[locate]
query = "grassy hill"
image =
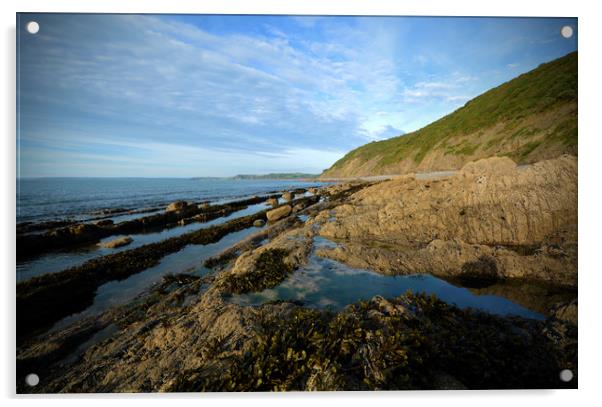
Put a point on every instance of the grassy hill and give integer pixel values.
(529, 118)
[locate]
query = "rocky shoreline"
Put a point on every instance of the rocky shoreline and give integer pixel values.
(489, 228)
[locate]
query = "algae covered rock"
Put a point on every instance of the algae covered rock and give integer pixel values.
(119, 242)
(279, 213)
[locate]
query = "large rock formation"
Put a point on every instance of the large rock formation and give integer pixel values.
(520, 221)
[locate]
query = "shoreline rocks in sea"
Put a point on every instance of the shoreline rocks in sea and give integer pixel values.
(188, 336)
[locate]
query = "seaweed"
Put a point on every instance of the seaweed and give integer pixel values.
(406, 343)
(270, 269)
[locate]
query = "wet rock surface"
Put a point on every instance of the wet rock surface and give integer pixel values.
(119, 242)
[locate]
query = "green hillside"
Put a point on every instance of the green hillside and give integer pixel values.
(529, 118)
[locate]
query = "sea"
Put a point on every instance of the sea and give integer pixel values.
(42, 199)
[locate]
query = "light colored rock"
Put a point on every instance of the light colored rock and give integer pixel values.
(272, 202)
(287, 196)
(259, 223)
(496, 166)
(121, 241)
(279, 213)
(176, 206)
(447, 225)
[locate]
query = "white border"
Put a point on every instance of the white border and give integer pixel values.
(590, 147)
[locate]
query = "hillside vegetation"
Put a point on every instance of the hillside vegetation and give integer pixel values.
(529, 118)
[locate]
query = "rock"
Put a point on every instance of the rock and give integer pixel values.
(314, 191)
(203, 205)
(176, 206)
(446, 226)
(186, 221)
(259, 223)
(495, 166)
(279, 213)
(273, 201)
(103, 222)
(121, 241)
(287, 196)
(298, 207)
(566, 312)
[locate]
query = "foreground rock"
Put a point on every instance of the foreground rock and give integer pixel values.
(409, 342)
(279, 213)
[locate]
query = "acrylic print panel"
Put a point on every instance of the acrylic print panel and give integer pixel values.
(213, 203)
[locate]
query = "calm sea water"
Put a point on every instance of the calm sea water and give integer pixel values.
(56, 198)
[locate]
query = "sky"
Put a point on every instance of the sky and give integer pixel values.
(209, 95)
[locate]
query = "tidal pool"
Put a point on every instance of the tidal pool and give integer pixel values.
(188, 260)
(325, 283)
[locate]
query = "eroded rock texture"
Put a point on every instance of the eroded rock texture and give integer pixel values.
(490, 219)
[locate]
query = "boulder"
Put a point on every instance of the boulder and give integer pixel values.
(259, 223)
(273, 201)
(279, 213)
(203, 205)
(176, 206)
(120, 241)
(298, 208)
(288, 196)
(496, 166)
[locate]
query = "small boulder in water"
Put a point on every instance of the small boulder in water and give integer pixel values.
(259, 223)
(288, 196)
(121, 241)
(273, 201)
(176, 206)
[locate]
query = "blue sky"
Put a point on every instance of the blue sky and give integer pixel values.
(185, 95)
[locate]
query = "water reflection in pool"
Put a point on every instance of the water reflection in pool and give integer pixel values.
(328, 283)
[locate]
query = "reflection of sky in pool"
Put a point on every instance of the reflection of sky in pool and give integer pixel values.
(327, 283)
